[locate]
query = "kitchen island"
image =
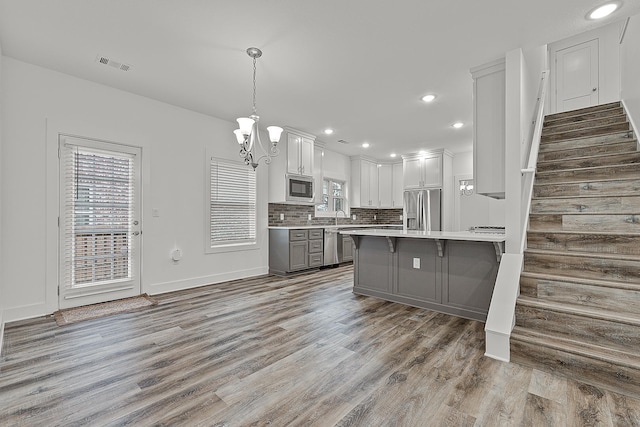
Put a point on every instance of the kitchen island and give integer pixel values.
(448, 272)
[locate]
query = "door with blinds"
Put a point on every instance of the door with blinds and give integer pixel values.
(100, 228)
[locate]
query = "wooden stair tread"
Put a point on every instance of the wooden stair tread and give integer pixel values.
(591, 131)
(551, 172)
(578, 310)
(587, 232)
(573, 113)
(597, 156)
(605, 354)
(582, 281)
(585, 196)
(620, 257)
(586, 181)
(586, 124)
(619, 133)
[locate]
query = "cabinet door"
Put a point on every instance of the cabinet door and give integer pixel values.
(397, 185)
(365, 183)
(385, 186)
(432, 171)
(373, 184)
(298, 255)
(347, 248)
(413, 173)
(306, 156)
(293, 154)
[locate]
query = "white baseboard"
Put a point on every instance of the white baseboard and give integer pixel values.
(634, 128)
(179, 285)
(1, 329)
(26, 312)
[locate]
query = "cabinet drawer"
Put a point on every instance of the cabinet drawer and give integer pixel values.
(315, 246)
(315, 260)
(316, 233)
(296, 235)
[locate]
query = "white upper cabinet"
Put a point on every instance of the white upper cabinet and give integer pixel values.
(385, 185)
(422, 171)
(299, 153)
(489, 100)
(398, 186)
(373, 184)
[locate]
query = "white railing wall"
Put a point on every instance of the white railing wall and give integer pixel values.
(501, 316)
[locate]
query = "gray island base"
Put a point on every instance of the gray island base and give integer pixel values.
(448, 272)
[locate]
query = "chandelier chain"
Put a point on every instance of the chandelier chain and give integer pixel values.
(254, 87)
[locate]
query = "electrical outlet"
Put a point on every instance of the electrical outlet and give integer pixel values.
(375, 217)
(353, 217)
(401, 218)
(309, 217)
(281, 217)
(155, 212)
(416, 263)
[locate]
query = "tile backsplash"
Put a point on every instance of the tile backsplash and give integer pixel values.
(299, 215)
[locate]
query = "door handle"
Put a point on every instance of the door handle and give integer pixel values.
(594, 89)
(136, 233)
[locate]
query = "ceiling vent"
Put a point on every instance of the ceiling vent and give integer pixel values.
(342, 141)
(110, 62)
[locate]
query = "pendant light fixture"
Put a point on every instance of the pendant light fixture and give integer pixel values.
(248, 135)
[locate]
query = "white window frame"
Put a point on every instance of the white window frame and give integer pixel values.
(244, 245)
(331, 213)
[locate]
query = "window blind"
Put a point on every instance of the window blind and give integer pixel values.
(232, 205)
(98, 205)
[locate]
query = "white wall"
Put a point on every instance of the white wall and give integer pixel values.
(40, 104)
(2, 301)
(630, 70)
(608, 59)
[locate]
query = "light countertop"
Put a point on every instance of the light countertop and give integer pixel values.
(308, 227)
(434, 235)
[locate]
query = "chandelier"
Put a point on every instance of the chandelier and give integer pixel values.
(248, 135)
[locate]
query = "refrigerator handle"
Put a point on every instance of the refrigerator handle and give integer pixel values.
(428, 216)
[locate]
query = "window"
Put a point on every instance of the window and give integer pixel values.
(333, 196)
(232, 204)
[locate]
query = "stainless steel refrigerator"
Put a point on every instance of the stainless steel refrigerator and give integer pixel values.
(422, 210)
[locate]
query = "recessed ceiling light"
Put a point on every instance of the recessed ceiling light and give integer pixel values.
(422, 152)
(328, 131)
(603, 11)
(365, 145)
(457, 125)
(392, 155)
(428, 98)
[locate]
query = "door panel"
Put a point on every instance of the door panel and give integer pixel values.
(577, 76)
(99, 221)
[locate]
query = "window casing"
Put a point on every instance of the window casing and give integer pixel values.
(333, 197)
(232, 207)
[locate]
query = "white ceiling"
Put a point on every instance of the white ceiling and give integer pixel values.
(358, 66)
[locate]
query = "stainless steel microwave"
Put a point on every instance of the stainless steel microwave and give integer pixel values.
(299, 188)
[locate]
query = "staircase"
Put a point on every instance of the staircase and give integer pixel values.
(578, 313)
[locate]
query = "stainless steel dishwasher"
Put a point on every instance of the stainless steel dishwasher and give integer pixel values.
(330, 246)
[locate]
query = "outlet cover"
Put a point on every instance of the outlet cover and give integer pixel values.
(416, 263)
(281, 217)
(353, 217)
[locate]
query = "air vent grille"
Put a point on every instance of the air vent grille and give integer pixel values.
(114, 64)
(342, 141)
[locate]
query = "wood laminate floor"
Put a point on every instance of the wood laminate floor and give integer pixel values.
(282, 351)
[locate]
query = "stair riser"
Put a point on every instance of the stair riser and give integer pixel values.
(588, 141)
(584, 124)
(609, 160)
(627, 187)
(587, 110)
(589, 330)
(595, 372)
(596, 244)
(580, 133)
(584, 117)
(614, 205)
(589, 174)
(599, 297)
(620, 270)
(614, 223)
(593, 150)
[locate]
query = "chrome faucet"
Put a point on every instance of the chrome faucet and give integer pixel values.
(343, 213)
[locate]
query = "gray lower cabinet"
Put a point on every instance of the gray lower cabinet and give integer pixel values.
(449, 276)
(293, 250)
(347, 248)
